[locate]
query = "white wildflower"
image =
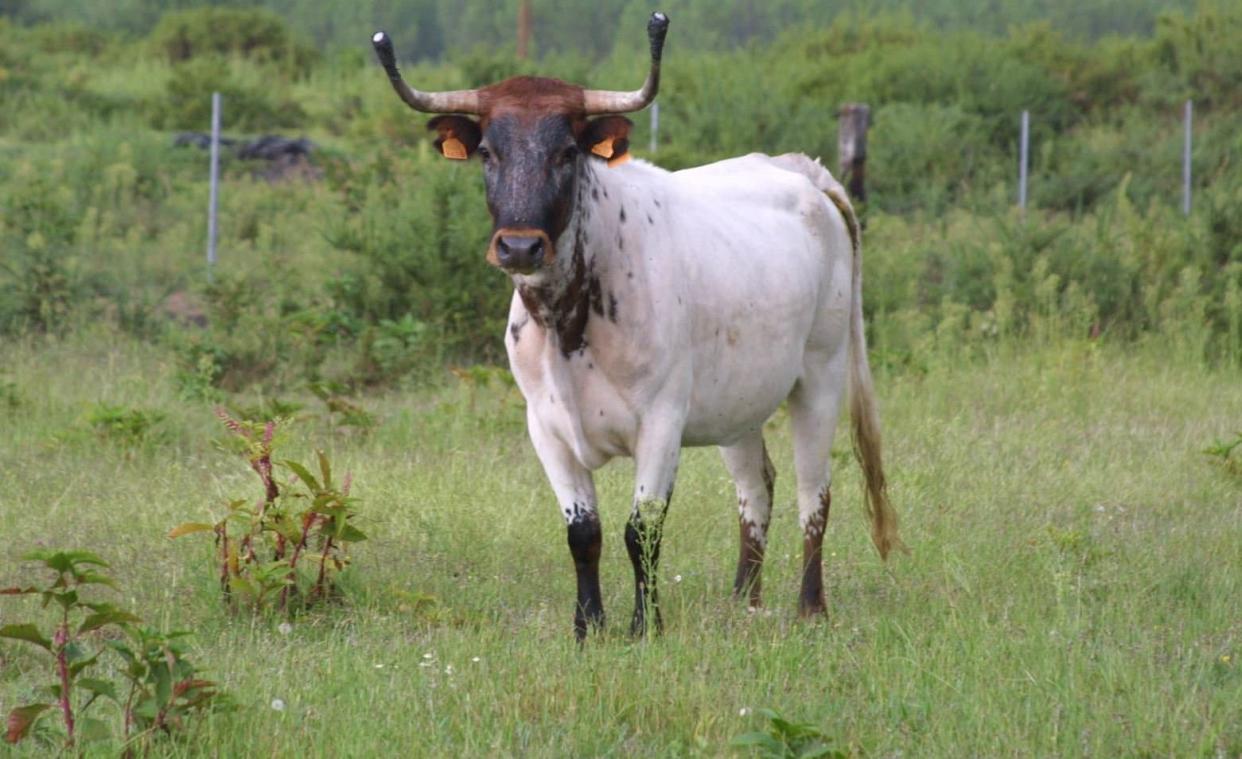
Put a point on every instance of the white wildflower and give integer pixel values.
(284, 628)
(278, 704)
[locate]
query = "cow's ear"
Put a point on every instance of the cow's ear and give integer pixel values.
(458, 136)
(609, 138)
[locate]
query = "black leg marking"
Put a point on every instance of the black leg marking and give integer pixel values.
(642, 541)
(585, 543)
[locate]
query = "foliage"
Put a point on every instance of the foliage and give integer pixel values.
(11, 397)
(373, 276)
(248, 99)
(124, 426)
(434, 28)
(1223, 452)
(165, 688)
(286, 550)
(786, 740)
(340, 411)
(254, 33)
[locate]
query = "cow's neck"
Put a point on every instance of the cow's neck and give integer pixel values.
(594, 244)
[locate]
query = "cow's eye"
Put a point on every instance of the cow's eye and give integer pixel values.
(568, 155)
(484, 154)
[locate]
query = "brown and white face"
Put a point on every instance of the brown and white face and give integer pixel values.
(532, 136)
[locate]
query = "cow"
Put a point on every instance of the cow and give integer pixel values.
(655, 310)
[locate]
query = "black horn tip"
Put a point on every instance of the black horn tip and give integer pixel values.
(383, 48)
(657, 27)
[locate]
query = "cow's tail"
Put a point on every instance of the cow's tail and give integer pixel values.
(864, 418)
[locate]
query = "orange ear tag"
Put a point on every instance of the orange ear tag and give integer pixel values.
(615, 162)
(603, 148)
(453, 148)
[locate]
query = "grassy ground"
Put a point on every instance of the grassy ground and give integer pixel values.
(1073, 587)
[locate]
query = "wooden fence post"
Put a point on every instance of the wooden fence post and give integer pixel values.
(852, 148)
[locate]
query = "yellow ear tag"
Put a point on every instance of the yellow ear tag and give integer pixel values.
(615, 162)
(603, 148)
(453, 148)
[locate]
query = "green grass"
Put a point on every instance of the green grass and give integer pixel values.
(1073, 587)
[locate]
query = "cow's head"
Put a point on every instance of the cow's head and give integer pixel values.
(533, 135)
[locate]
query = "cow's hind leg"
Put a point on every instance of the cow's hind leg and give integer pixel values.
(755, 478)
(575, 495)
(813, 409)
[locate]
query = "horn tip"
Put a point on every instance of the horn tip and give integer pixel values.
(383, 48)
(657, 27)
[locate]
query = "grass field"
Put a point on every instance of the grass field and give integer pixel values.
(1073, 588)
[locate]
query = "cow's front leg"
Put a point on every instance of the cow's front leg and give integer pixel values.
(656, 468)
(575, 495)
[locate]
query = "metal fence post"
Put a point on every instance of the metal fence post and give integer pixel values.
(215, 184)
(655, 125)
(1188, 117)
(1024, 141)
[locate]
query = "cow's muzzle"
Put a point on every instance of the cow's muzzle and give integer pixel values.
(520, 252)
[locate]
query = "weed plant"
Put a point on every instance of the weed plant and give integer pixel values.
(163, 688)
(284, 551)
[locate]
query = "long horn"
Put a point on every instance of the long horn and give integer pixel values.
(608, 101)
(455, 101)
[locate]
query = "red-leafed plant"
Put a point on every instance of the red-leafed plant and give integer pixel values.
(285, 548)
(164, 687)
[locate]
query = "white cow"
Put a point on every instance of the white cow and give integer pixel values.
(655, 310)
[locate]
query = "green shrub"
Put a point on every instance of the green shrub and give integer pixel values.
(129, 427)
(253, 33)
(248, 104)
(412, 253)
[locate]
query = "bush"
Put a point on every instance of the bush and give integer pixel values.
(252, 33)
(249, 103)
(40, 281)
(414, 245)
